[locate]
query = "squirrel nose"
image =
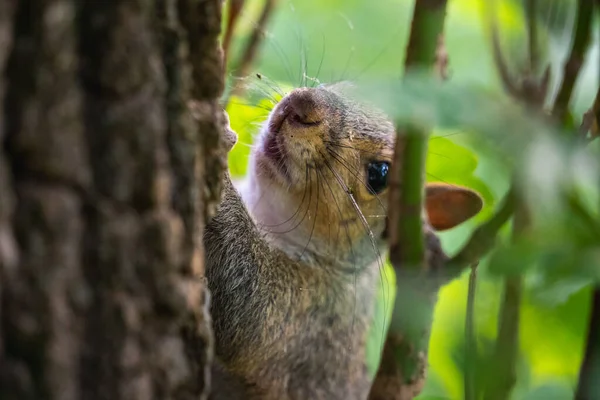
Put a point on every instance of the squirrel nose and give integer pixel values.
(302, 108)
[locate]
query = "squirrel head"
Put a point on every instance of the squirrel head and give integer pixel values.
(318, 177)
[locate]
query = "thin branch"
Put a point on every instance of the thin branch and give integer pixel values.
(406, 188)
(234, 11)
(527, 89)
(507, 344)
(532, 36)
(589, 385)
(580, 211)
(426, 28)
(483, 239)
(470, 339)
(508, 82)
(442, 59)
(591, 119)
(249, 54)
(581, 40)
(407, 249)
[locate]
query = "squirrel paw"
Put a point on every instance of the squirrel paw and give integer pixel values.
(203, 111)
(230, 137)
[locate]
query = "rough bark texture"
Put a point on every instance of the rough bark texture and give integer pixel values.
(103, 196)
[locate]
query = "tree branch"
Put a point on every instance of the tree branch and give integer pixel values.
(407, 249)
(591, 119)
(532, 36)
(589, 386)
(470, 339)
(402, 373)
(442, 59)
(233, 13)
(483, 239)
(528, 89)
(507, 344)
(427, 26)
(510, 86)
(249, 54)
(581, 40)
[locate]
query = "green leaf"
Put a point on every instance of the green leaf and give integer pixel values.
(455, 164)
(549, 391)
(513, 259)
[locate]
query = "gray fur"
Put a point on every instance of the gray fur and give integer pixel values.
(296, 328)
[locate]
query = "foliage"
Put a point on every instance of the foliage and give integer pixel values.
(481, 139)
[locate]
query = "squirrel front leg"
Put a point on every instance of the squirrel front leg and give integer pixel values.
(235, 256)
(233, 246)
(224, 385)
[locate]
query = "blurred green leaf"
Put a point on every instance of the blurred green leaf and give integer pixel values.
(451, 163)
(549, 391)
(513, 259)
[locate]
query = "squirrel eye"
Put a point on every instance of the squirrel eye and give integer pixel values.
(377, 174)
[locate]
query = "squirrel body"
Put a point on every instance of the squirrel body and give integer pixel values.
(294, 254)
(291, 329)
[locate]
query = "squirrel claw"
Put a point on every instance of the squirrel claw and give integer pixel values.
(229, 136)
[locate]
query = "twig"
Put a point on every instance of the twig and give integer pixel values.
(591, 119)
(532, 36)
(589, 384)
(505, 77)
(235, 8)
(470, 338)
(483, 239)
(249, 54)
(441, 58)
(580, 211)
(424, 33)
(507, 344)
(528, 90)
(581, 40)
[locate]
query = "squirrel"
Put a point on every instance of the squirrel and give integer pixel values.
(294, 253)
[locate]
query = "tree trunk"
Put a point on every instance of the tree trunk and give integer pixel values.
(106, 180)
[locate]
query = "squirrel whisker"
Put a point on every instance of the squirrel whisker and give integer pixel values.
(297, 209)
(299, 206)
(369, 231)
(314, 218)
(352, 255)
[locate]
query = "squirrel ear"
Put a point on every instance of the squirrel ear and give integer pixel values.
(450, 205)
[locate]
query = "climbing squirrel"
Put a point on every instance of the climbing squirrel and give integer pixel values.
(294, 253)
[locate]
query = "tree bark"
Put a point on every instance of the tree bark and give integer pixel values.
(106, 181)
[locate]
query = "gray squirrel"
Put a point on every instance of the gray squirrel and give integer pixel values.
(294, 253)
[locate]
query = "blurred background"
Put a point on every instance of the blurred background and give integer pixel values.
(316, 41)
